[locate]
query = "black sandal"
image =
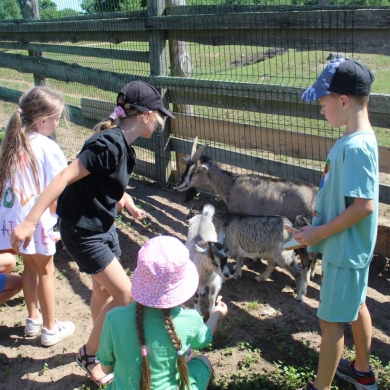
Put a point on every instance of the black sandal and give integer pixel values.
(86, 360)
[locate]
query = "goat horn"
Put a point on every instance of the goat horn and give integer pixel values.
(198, 153)
(193, 151)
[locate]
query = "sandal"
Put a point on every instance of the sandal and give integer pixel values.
(86, 360)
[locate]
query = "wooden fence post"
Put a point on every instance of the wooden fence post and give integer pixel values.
(158, 67)
(30, 10)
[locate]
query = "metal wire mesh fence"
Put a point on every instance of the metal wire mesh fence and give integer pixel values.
(232, 70)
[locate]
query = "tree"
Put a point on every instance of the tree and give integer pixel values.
(9, 9)
(47, 9)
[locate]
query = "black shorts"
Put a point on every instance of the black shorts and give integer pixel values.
(92, 251)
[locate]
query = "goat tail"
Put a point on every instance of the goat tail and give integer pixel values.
(208, 211)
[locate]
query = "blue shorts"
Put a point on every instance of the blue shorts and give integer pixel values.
(92, 251)
(342, 292)
(199, 374)
(3, 280)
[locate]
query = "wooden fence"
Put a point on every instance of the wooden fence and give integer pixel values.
(350, 29)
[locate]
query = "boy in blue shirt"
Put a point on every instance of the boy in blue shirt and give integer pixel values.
(345, 220)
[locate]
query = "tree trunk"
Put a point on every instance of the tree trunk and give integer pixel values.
(180, 61)
(30, 10)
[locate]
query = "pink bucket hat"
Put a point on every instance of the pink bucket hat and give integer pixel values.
(165, 276)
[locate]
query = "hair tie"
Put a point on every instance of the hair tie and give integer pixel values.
(20, 111)
(118, 113)
(180, 352)
(144, 351)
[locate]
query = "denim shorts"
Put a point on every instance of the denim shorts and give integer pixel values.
(92, 251)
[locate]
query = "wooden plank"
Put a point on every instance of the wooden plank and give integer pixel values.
(75, 26)
(264, 166)
(245, 136)
(274, 20)
(74, 37)
(374, 41)
(128, 55)
(252, 97)
(189, 91)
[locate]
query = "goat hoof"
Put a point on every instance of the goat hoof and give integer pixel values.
(259, 278)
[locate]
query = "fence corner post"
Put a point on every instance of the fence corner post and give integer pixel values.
(159, 67)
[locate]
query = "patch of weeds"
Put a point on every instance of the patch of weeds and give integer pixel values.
(6, 371)
(253, 305)
(265, 335)
(19, 265)
(60, 360)
(293, 377)
(229, 352)
(119, 223)
(44, 369)
(61, 275)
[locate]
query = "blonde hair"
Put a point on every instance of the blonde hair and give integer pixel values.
(181, 364)
(110, 123)
(35, 104)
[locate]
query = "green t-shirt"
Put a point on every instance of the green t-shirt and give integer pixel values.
(119, 345)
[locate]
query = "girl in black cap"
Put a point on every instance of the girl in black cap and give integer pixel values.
(88, 192)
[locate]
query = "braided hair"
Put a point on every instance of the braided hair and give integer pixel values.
(181, 364)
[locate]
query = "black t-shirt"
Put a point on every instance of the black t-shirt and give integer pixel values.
(90, 202)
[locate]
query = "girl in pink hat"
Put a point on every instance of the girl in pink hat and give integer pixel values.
(145, 343)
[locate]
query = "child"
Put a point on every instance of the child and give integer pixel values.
(90, 190)
(10, 284)
(345, 222)
(145, 342)
(29, 161)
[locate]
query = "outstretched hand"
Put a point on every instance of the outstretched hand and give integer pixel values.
(308, 236)
(222, 308)
(22, 232)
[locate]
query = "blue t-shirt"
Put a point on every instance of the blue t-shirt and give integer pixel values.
(351, 171)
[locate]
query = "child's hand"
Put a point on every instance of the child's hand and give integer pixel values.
(138, 213)
(221, 308)
(308, 236)
(22, 232)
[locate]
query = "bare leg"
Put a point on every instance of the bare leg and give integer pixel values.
(7, 262)
(13, 286)
(362, 332)
(100, 297)
(30, 288)
(332, 344)
(44, 268)
(114, 280)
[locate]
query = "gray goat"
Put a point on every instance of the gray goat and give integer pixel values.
(259, 236)
(208, 255)
(250, 194)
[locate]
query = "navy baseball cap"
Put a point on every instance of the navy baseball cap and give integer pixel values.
(341, 75)
(141, 96)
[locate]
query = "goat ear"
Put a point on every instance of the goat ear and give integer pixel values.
(198, 153)
(193, 151)
(203, 251)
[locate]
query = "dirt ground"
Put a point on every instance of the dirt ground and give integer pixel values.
(291, 330)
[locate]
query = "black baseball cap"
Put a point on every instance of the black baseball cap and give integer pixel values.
(141, 96)
(344, 76)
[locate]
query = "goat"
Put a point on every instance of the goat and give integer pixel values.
(262, 236)
(208, 255)
(248, 194)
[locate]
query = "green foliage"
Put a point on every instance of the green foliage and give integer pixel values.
(9, 9)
